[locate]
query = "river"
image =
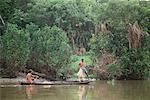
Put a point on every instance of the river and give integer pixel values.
(98, 90)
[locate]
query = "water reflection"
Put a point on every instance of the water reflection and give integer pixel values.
(82, 92)
(99, 90)
(121, 90)
(29, 90)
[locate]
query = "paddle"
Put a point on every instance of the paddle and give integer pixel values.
(85, 71)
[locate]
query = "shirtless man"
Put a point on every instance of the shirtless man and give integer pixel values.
(30, 78)
(82, 70)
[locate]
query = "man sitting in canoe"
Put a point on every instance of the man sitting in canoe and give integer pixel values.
(82, 70)
(30, 77)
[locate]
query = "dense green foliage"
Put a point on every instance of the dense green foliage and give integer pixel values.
(42, 35)
(132, 63)
(49, 48)
(15, 49)
(38, 48)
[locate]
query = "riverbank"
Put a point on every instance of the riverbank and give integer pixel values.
(11, 80)
(14, 81)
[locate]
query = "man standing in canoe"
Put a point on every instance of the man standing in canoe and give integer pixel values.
(82, 70)
(30, 77)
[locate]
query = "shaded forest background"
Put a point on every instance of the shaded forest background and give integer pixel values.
(51, 36)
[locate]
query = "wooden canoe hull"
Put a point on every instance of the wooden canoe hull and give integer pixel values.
(56, 83)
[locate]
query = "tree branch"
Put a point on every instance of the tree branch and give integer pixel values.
(2, 20)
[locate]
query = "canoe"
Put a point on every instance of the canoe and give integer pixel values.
(56, 83)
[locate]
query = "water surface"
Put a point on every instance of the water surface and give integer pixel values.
(99, 90)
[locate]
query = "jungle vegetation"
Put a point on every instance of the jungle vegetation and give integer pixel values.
(51, 36)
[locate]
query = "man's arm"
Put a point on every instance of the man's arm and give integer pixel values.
(35, 76)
